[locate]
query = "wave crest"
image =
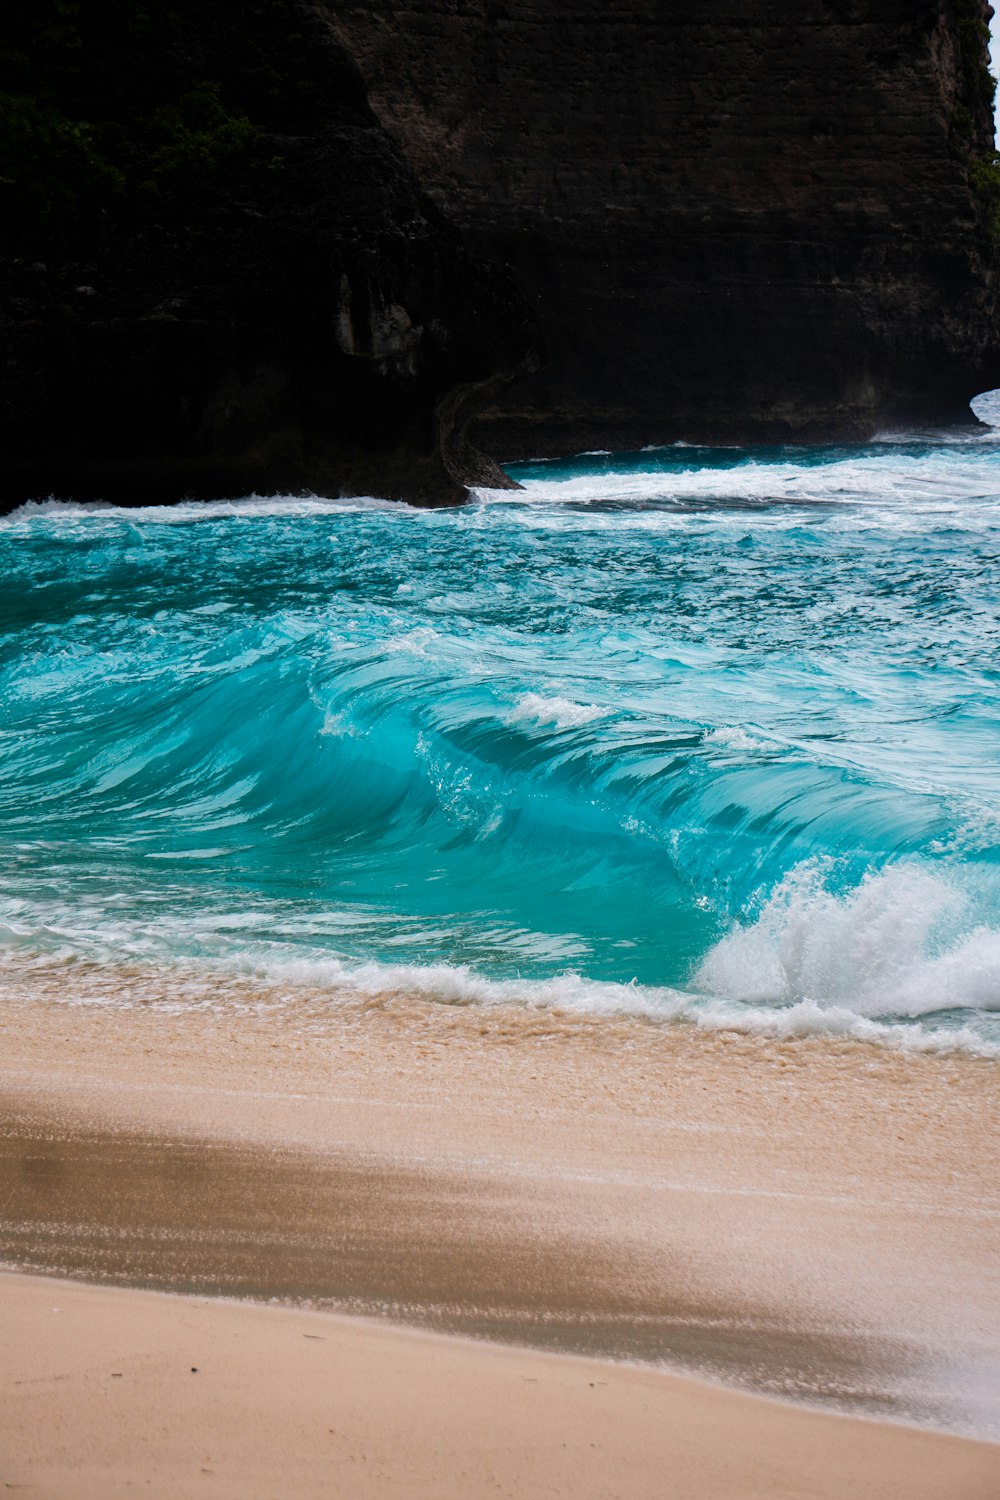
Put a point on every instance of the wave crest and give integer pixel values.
(897, 944)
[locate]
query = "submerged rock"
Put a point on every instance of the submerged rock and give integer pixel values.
(218, 273)
(739, 221)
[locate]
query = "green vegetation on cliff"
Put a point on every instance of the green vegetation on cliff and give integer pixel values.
(97, 117)
(973, 33)
(984, 178)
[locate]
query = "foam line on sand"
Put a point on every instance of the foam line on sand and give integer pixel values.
(110, 1392)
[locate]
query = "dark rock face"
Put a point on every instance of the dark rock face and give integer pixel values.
(737, 221)
(248, 291)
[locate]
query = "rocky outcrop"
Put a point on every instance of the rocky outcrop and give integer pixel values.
(737, 221)
(218, 273)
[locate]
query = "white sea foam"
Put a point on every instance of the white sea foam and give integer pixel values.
(861, 966)
(574, 994)
(735, 737)
(562, 712)
(891, 489)
(808, 1019)
(895, 945)
(415, 641)
(184, 512)
(460, 984)
(253, 974)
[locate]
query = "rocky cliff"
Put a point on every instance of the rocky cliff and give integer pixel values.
(219, 271)
(218, 274)
(743, 220)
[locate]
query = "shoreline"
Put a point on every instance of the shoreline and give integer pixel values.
(816, 1222)
(186, 1396)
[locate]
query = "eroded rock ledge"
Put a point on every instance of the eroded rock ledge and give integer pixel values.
(219, 275)
(738, 221)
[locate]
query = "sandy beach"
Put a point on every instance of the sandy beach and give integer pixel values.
(711, 1204)
(108, 1391)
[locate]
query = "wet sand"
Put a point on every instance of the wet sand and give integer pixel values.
(812, 1220)
(106, 1392)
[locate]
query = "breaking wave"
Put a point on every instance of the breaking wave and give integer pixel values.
(696, 734)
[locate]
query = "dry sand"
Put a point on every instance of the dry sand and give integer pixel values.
(818, 1220)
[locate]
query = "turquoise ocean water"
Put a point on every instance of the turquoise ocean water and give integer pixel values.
(704, 734)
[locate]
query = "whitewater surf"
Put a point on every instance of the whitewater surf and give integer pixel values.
(704, 735)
